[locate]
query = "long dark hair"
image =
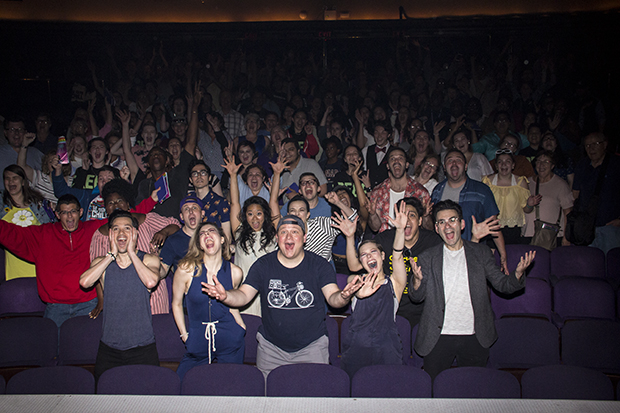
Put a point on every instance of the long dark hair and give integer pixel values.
(246, 233)
(31, 196)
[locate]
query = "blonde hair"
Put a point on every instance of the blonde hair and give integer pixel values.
(194, 258)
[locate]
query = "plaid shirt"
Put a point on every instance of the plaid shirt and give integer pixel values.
(381, 194)
(234, 122)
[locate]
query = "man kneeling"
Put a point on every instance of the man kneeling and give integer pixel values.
(127, 276)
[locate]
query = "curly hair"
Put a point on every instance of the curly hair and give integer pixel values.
(121, 187)
(246, 234)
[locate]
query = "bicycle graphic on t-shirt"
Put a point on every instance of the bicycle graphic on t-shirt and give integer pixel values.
(280, 295)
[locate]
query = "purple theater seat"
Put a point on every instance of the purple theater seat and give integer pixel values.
(28, 341)
(566, 382)
(391, 382)
(2, 385)
(415, 359)
(523, 343)
(333, 333)
(139, 379)
(613, 266)
(577, 261)
(20, 297)
(476, 382)
(592, 344)
(539, 268)
(52, 380)
(79, 340)
(534, 300)
(252, 322)
(308, 380)
(170, 347)
(224, 380)
(580, 297)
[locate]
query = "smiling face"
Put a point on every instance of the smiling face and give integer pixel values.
(13, 183)
(351, 155)
(291, 154)
(504, 164)
(331, 150)
(502, 124)
(299, 209)
(122, 230)
(191, 214)
(255, 217)
(43, 125)
(544, 166)
(421, 141)
(14, 133)
(511, 143)
(309, 187)
(175, 149)
(381, 136)
(115, 201)
(245, 155)
(103, 178)
(414, 221)
(299, 120)
(98, 152)
(69, 216)
(179, 127)
(371, 257)
(461, 142)
(548, 142)
(534, 135)
(255, 179)
(455, 167)
(397, 164)
(596, 147)
(210, 240)
(429, 168)
(149, 133)
(251, 125)
(291, 239)
(271, 120)
(449, 227)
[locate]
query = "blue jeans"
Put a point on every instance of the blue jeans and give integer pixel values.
(59, 313)
(606, 238)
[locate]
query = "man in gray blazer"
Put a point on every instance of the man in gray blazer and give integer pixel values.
(451, 279)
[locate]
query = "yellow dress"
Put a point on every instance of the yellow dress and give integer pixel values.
(16, 267)
(510, 200)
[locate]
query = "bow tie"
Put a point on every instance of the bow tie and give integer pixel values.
(377, 149)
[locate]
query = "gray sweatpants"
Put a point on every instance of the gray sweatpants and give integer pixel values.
(270, 356)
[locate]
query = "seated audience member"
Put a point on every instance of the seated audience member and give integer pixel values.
(587, 173)
(15, 132)
(297, 166)
(22, 206)
(289, 337)
(397, 186)
(478, 165)
(451, 279)
(60, 254)
(373, 338)
(375, 155)
(175, 247)
(216, 332)
(127, 276)
(428, 171)
(474, 197)
(554, 198)
(86, 178)
(522, 166)
(217, 208)
(309, 190)
(254, 231)
(153, 228)
(512, 196)
(564, 166)
(306, 141)
(332, 163)
(489, 143)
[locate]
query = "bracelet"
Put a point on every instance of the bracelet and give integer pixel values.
(400, 250)
(111, 255)
(184, 334)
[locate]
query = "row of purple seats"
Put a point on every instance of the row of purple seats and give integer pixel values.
(569, 261)
(320, 380)
(569, 299)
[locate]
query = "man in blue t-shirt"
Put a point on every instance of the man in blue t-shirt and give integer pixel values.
(292, 284)
(191, 213)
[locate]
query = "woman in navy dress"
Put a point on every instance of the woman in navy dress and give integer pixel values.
(373, 338)
(216, 332)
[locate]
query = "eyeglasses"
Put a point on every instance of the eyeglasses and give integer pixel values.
(65, 213)
(450, 221)
(503, 152)
(18, 130)
(542, 161)
(432, 165)
(594, 144)
(310, 182)
(202, 172)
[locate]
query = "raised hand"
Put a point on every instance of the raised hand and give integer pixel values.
(489, 226)
(279, 166)
(231, 166)
(438, 126)
(416, 280)
(123, 116)
(215, 290)
(125, 173)
(524, 262)
(158, 240)
(346, 226)
(368, 287)
(332, 198)
(351, 288)
(113, 246)
(400, 217)
(133, 241)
